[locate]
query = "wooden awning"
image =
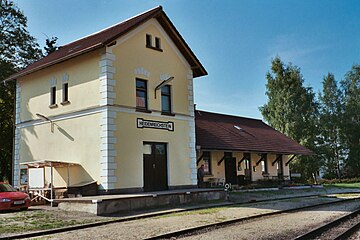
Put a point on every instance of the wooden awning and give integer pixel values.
(48, 163)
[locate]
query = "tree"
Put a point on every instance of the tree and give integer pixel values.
(292, 110)
(351, 130)
(50, 45)
(330, 123)
(18, 49)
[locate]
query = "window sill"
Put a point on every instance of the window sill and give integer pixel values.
(143, 110)
(65, 103)
(154, 48)
(168, 114)
(53, 106)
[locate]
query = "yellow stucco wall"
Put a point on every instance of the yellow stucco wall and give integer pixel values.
(133, 54)
(84, 86)
(73, 140)
(130, 150)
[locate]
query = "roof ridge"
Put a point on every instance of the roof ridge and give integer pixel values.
(159, 7)
(229, 115)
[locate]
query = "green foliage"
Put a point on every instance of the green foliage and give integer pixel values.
(292, 110)
(17, 50)
(17, 45)
(329, 127)
(351, 120)
(50, 45)
(330, 143)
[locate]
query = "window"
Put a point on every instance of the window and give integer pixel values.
(65, 93)
(148, 40)
(207, 163)
(150, 44)
(157, 43)
(264, 165)
(166, 99)
(141, 94)
(52, 96)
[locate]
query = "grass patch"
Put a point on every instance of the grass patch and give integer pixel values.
(344, 185)
(26, 221)
(194, 212)
(347, 195)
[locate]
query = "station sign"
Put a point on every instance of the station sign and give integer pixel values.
(143, 123)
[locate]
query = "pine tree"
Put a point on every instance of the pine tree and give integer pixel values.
(292, 110)
(330, 123)
(17, 50)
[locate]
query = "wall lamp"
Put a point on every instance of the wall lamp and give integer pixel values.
(46, 119)
(163, 83)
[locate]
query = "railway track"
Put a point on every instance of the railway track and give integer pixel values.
(181, 232)
(339, 229)
(214, 226)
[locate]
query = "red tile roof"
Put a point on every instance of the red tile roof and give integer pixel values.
(224, 132)
(108, 35)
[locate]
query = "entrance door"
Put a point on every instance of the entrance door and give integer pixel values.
(155, 167)
(230, 169)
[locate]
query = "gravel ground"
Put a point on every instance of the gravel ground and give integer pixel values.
(284, 226)
(355, 236)
(241, 197)
(143, 228)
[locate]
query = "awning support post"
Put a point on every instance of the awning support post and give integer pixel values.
(243, 158)
(292, 158)
(68, 175)
(199, 159)
(261, 159)
(277, 159)
(220, 161)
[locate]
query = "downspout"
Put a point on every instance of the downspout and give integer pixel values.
(13, 145)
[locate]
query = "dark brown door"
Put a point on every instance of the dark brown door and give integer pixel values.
(230, 169)
(155, 167)
(280, 169)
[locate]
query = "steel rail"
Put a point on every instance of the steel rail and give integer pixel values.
(347, 233)
(214, 226)
(162, 213)
(333, 224)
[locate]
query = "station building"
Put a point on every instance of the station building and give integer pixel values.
(240, 150)
(117, 108)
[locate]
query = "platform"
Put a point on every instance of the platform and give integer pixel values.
(108, 204)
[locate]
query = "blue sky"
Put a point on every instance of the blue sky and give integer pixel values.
(234, 40)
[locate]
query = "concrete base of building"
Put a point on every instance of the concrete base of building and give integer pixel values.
(140, 190)
(108, 204)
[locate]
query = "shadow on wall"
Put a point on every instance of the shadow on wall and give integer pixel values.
(64, 132)
(78, 175)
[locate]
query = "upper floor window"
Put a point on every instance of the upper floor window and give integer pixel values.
(150, 44)
(141, 94)
(65, 93)
(148, 40)
(53, 96)
(157, 43)
(166, 99)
